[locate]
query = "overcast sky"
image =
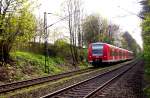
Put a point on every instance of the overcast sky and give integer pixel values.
(109, 9)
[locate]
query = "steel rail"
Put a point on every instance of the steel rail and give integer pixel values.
(109, 81)
(26, 83)
(82, 82)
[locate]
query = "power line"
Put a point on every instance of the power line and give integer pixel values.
(120, 16)
(141, 17)
(63, 18)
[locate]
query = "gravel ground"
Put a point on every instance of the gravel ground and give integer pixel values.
(130, 85)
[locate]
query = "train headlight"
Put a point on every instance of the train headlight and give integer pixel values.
(105, 56)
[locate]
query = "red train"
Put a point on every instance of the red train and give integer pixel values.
(106, 53)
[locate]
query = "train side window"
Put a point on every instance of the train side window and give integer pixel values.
(119, 53)
(124, 54)
(111, 52)
(115, 53)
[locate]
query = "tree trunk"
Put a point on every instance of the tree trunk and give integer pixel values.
(4, 52)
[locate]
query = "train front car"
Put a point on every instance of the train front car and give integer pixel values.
(107, 54)
(95, 53)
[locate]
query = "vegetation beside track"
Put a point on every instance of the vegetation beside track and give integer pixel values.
(40, 89)
(146, 37)
(29, 65)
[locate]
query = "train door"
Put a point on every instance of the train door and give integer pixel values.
(105, 53)
(115, 54)
(90, 53)
(110, 53)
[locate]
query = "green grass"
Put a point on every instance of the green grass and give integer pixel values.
(147, 79)
(39, 60)
(29, 65)
(34, 64)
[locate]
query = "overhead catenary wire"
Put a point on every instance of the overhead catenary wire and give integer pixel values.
(63, 18)
(141, 17)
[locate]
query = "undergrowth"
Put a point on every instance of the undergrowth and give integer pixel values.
(27, 65)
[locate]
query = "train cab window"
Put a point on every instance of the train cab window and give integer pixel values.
(97, 49)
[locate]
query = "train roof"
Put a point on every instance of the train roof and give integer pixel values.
(112, 46)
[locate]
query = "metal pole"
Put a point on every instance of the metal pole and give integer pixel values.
(45, 32)
(46, 35)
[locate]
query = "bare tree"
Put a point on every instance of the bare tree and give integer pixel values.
(73, 9)
(94, 28)
(39, 32)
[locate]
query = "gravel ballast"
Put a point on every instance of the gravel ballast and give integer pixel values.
(130, 85)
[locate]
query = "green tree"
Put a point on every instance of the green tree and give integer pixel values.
(130, 43)
(146, 29)
(95, 29)
(62, 48)
(146, 37)
(17, 23)
(146, 42)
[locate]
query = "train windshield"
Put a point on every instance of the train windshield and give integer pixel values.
(97, 49)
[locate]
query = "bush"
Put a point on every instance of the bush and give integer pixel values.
(62, 49)
(59, 49)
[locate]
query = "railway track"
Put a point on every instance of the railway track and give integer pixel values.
(129, 85)
(86, 88)
(22, 84)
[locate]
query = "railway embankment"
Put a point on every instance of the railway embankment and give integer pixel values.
(28, 65)
(45, 88)
(89, 87)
